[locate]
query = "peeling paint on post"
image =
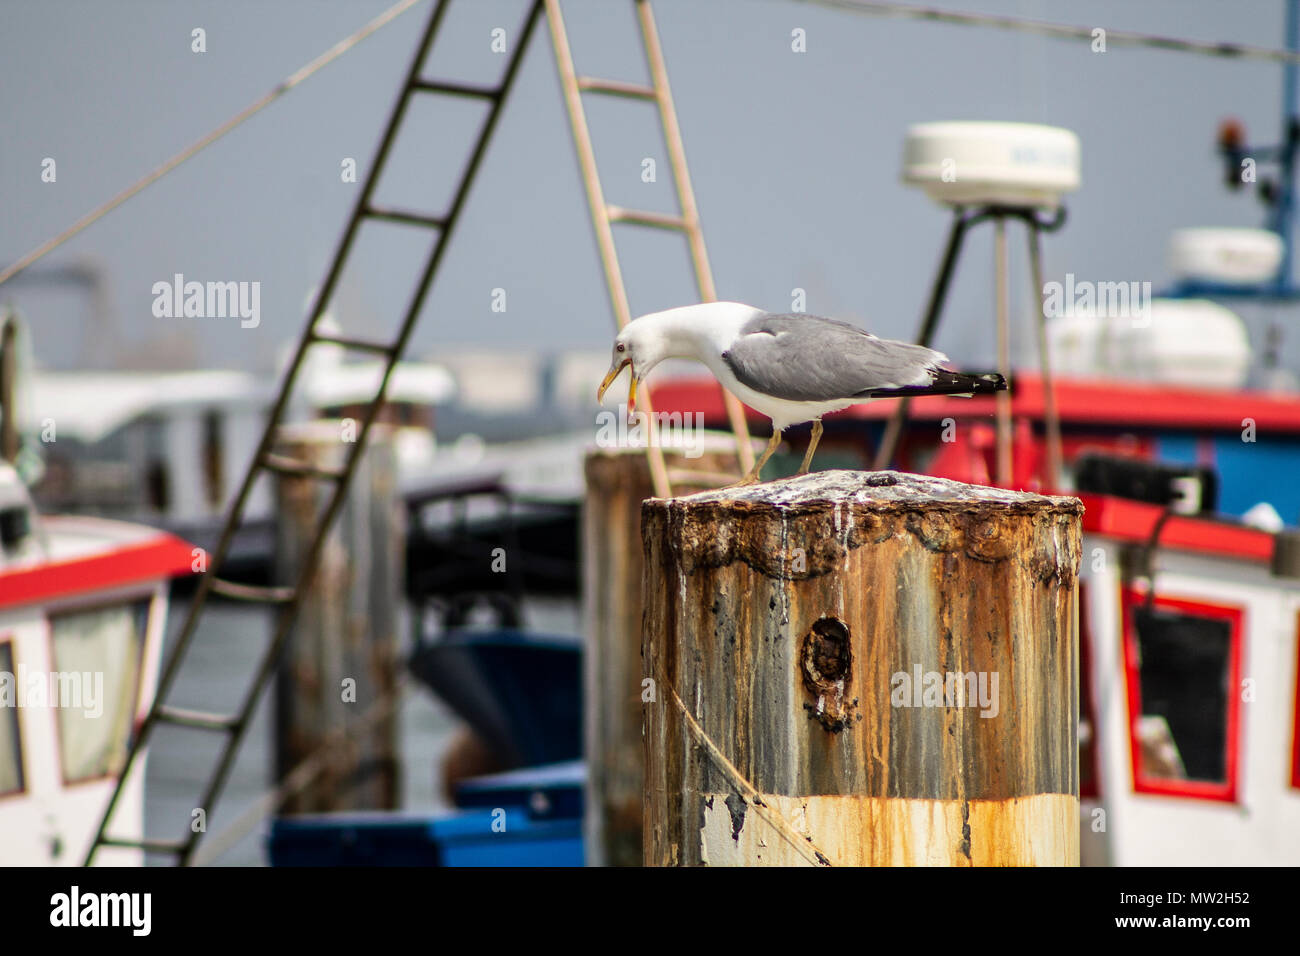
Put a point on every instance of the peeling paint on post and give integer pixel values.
(862, 668)
(618, 480)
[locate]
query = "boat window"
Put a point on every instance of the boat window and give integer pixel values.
(157, 491)
(97, 656)
(213, 459)
(1182, 661)
(11, 752)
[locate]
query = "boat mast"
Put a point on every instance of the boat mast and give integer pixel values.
(1284, 210)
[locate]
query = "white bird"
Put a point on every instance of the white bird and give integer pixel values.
(791, 367)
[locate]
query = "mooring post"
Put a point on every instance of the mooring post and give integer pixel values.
(341, 658)
(862, 668)
(618, 480)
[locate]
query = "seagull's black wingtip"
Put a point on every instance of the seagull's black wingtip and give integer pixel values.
(955, 384)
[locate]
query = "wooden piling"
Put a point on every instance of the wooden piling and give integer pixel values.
(862, 668)
(341, 658)
(618, 480)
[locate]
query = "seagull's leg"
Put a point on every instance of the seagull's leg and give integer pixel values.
(753, 477)
(812, 446)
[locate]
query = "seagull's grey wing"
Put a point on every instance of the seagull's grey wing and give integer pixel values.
(807, 358)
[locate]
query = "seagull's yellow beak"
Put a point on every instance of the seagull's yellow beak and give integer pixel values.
(609, 380)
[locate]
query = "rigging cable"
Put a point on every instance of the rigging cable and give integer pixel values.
(284, 86)
(1061, 31)
(870, 7)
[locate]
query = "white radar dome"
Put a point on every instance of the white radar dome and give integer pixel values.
(978, 163)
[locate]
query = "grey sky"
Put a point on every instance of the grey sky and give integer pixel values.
(795, 160)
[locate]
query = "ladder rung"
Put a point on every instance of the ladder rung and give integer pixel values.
(641, 217)
(405, 217)
(252, 592)
(197, 719)
(591, 84)
(149, 846)
(713, 479)
(292, 466)
(360, 345)
(456, 89)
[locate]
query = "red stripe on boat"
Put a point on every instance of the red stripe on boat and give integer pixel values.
(1134, 521)
(1133, 405)
(160, 556)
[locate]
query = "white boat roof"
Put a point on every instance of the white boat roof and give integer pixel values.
(88, 405)
(419, 383)
(550, 467)
(75, 536)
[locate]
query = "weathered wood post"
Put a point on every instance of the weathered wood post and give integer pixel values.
(618, 480)
(341, 658)
(858, 668)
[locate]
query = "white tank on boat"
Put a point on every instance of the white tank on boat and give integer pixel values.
(978, 163)
(1229, 255)
(1191, 342)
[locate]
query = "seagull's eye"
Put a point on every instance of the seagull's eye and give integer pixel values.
(620, 346)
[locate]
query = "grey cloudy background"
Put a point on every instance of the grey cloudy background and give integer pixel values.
(795, 160)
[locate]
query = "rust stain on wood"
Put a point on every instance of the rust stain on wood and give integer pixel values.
(868, 831)
(617, 481)
(784, 615)
(346, 627)
(827, 660)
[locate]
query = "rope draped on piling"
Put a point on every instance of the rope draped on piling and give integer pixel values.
(802, 844)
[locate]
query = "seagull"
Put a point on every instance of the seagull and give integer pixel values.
(792, 367)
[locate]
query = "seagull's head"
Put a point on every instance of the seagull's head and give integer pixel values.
(688, 331)
(639, 348)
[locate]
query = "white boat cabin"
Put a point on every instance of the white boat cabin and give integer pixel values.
(1189, 692)
(83, 603)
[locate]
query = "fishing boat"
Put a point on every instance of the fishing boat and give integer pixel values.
(1189, 637)
(83, 604)
(1190, 595)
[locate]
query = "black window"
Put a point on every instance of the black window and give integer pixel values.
(1183, 704)
(11, 747)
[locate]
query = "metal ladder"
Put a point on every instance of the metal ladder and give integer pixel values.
(604, 215)
(287, 599)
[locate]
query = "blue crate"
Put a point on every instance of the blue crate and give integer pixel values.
(530, 817)
(468, 839)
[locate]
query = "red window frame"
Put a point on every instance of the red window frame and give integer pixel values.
(1295, 723)
(1226, 792)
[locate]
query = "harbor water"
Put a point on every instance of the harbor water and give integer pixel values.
(219, 666)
